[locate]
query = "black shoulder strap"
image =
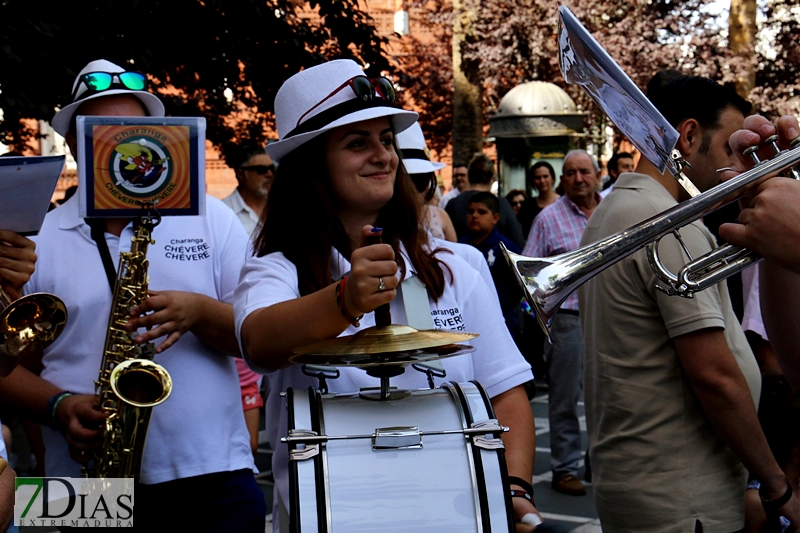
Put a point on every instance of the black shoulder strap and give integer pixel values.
(99, 237)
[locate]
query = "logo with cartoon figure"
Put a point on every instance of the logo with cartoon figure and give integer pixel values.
(141, 166)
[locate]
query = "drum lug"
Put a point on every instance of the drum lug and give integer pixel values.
(397, 438)
(485, 442)
(308, 450)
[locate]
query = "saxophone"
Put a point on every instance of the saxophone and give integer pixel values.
(130, 383)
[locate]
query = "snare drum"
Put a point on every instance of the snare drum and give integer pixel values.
(432, 461)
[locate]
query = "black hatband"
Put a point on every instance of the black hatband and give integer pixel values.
(336, 112)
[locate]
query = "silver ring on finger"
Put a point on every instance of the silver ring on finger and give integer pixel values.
(381, 285)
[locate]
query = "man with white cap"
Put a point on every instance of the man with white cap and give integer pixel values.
(197, 454)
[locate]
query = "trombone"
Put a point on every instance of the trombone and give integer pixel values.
(28, 324)
(546, 282)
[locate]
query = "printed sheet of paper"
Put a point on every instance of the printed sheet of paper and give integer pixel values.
(125, 162)
(584, 62)
(26, 186)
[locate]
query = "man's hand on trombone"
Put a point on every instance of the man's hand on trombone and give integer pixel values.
(17, 258)
(769, 223)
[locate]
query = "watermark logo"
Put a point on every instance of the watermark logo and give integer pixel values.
(73, 502)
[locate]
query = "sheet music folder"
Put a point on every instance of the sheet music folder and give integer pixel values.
(26, 187)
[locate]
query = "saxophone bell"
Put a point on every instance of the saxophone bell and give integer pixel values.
(141, 382)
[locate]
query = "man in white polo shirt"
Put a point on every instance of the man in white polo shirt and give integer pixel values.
(197, 455)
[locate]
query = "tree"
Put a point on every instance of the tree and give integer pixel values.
(742, 39)
(467, 89)
(194, 50)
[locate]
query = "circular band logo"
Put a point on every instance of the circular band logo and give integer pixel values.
(141, 166)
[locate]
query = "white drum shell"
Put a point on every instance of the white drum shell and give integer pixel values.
(446, 485)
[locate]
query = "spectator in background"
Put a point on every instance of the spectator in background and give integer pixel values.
(619, 163)
(516, 197)
(542, 177)
(481, 177)
(254, 172)
(483, 214)
(460, 184)
(558, 229)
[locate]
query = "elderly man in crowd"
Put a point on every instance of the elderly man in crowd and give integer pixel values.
(556, 230)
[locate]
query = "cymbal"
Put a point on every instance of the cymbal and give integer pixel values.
(395, 344)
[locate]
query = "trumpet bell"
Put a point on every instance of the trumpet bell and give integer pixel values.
(541, 281)
(31, 323)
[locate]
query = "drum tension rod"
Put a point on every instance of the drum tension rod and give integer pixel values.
(311, 440)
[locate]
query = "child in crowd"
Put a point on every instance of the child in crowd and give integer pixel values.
(483, 214)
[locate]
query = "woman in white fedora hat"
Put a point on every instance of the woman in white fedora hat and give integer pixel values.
(313, 277)
(417, 160)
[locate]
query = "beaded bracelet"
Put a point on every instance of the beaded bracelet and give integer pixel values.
(353, 320)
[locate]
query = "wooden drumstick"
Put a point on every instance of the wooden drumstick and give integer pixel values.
(383, 314)
(3, 465)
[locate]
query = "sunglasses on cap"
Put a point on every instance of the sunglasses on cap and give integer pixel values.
(260, 169)
(96, 82)
(364, 88)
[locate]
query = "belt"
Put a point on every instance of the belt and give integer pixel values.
(569, 312)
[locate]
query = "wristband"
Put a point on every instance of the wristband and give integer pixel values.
(52, 407)
(513, 480)
(774, 505)
(522, 494)
(354, 320)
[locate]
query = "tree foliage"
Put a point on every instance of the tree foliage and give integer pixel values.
(193, 49)
(778, 59)
(514, 41)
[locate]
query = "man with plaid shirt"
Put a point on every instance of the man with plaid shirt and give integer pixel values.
(556, 230)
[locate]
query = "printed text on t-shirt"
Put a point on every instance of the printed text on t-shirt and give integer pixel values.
(187, 250)
(448, 319)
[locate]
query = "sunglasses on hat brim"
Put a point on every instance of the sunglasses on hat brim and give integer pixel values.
(260, 169)
(364, 88)
(96, 82)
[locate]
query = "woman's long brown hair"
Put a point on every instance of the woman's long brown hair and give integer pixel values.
(300, 221)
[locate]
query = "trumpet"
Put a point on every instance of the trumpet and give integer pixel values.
(28, 324)
(547, 282)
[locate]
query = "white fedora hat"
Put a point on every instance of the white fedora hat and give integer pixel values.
(318, 99)
(416, 156)
(81, 93)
